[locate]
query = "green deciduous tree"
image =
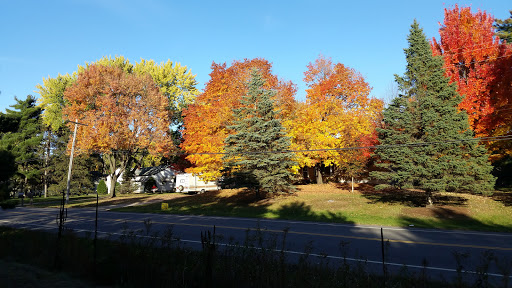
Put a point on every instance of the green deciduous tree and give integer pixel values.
(52, 102)
(258, 129)
(52, 99)
(426, 112)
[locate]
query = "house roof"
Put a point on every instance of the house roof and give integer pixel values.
(148, 171)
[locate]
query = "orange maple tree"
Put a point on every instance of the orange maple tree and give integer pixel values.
(338, 113)
(122, 113)
(206, 120)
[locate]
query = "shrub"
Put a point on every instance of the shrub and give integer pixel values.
(102, 188)
(9, 204)
(126, 187)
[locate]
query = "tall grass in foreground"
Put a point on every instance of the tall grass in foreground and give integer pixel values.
(146, 259)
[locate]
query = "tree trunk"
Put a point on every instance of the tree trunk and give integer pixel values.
(46, 160)
(120, 162)
(113, 181)
(111, 161)
(352, 184)
(318, 174)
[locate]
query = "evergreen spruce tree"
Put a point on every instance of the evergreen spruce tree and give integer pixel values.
(25, 142)
(398, 169)
(258, 129)
(426, 112)
(8, 168)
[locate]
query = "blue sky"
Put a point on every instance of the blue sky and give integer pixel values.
(43, 38)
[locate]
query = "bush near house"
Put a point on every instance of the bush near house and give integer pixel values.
(102, 188)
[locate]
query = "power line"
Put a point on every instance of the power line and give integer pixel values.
(474, 45)
(382, 146)
(481, 139)
(487, 60)
(465, 50)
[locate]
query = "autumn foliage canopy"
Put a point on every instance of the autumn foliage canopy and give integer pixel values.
(338, 113)
(207, 119)
(121, 111)
(479, 63)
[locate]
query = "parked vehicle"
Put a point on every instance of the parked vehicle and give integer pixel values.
(187, 182)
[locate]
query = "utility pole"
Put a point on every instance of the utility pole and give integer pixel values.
(71, 158)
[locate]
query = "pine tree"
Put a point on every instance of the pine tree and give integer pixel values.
(7, 170)
(426, 112)
(504, 28)
(398, 169)
(25, 142)
(258, 129)
(83, 166)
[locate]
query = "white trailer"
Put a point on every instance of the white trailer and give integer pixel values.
(187, 182)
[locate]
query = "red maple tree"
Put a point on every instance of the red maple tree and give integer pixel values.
(479, 63)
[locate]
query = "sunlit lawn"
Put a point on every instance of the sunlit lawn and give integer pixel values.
(58, 198)
(90, 200)
(332, 203)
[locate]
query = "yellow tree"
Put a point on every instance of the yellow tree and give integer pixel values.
(124, 113)
(338, 113)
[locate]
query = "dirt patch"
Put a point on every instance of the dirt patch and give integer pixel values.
(332, 188)
(445, 212)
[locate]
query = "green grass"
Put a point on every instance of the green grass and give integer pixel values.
(58, 198)
(74, 200)
(328, 203)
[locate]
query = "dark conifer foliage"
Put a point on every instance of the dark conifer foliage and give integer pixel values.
(24, 141)
(83, 167)
(258, 129)
(426, 111)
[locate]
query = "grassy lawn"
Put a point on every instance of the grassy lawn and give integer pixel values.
(330, 203)
(58, 198)
(89, 200)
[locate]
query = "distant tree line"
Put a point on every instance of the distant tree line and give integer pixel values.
(247, 124)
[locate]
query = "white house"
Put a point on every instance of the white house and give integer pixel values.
(164, 177)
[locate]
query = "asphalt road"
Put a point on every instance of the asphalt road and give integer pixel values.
(404, 247)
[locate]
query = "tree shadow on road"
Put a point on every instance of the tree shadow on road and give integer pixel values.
(446, 218)
(243, 203)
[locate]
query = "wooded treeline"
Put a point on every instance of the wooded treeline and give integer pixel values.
(247, 125)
